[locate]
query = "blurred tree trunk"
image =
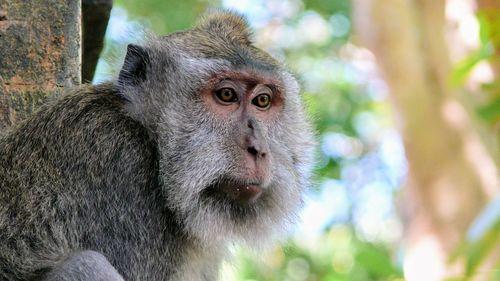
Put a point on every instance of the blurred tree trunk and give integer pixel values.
(451, 174)
(95, 16)
(39, 53)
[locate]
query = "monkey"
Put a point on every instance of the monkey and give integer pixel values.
(202, 141)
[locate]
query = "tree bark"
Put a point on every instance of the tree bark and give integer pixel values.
(451, 175)
(39, 54)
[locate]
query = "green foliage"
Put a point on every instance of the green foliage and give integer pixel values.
(328, 8)
(489, 34)
(475, 252)
(463, 68)
(490, 112)
(165, 16)
(337, 255)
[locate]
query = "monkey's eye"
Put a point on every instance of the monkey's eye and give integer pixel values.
(263, 101)
(226, 95)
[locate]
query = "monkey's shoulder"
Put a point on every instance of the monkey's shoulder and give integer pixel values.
(86, 132)
(83, 171)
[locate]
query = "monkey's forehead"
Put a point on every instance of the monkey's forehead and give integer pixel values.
(201, 44)
(217, 69)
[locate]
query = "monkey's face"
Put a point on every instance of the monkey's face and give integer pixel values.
(234, 141)
(247, 104)
(234, 155)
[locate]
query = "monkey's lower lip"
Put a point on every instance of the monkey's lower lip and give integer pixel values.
(241, 192)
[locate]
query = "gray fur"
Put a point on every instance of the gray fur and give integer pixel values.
(86, 265)
(116, 174)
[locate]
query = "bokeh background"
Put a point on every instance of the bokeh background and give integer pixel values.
(405, 99)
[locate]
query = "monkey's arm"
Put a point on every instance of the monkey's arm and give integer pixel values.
(84, 266)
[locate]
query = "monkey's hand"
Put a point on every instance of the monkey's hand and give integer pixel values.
(84, 266)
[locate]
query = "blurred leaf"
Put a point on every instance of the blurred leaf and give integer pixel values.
(165, 16)
(483, 237)
(376, 260)
(476, 252)
(330, 170)
(490, 112)
(484, 28)
(489, 24)
(463, 68)
(328, 8)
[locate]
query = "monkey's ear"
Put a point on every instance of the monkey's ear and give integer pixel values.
(228, 24)
(135, 67)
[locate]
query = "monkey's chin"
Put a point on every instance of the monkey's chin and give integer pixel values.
(237, 191)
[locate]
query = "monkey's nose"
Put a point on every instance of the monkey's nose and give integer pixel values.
(255, 152)
(255, 148)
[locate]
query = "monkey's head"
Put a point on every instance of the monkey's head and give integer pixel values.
(234, 141)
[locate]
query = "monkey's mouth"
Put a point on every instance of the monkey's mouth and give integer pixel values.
(244, 192)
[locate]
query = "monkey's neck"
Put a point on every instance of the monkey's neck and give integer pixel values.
(200, 262)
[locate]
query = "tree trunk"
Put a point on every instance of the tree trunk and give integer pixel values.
(451, 174)
(39, 54)
(95, 16)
